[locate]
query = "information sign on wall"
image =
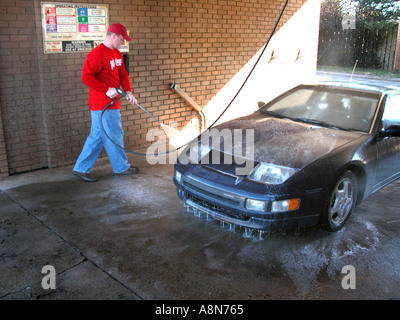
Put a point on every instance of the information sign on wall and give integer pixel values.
(74, 27)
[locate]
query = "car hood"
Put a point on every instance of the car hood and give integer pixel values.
(281, 141)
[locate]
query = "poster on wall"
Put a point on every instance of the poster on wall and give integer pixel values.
(74, 27)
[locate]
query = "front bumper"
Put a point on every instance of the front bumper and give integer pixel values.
(228, 204)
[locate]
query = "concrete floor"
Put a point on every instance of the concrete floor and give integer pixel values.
(128, 237)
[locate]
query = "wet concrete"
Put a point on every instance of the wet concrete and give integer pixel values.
(128, 237)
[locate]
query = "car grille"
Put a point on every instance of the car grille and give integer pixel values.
(216, 209)
(208, 197)
(211, 195)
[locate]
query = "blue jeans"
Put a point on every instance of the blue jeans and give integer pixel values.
(97, 139)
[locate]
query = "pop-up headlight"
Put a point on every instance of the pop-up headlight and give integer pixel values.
(271, 173)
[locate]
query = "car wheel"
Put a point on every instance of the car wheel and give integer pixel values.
(341, 202)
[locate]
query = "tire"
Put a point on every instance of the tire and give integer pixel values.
(341, 202)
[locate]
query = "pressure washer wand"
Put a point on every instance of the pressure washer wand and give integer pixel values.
(155, 119)
(121, 95)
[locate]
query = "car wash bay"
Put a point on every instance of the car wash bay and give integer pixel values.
(127, 237)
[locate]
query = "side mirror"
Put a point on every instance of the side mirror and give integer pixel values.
(391, 131)
(260, 104)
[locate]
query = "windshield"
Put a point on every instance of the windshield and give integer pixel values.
(326, 106)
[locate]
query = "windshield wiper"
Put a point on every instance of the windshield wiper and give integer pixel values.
(272, 113)
(319, 122)
(277, 115)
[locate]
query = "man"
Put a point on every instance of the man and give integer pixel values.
(103, 71)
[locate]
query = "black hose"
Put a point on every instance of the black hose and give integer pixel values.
(122, 94)
(252, 69)
(105, 132)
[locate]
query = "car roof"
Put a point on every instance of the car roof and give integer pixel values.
(357, 85)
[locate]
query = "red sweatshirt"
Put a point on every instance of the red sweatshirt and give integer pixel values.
(104, 68)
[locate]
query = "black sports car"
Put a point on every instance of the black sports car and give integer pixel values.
(307, 157)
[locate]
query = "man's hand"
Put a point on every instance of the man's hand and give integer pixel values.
(130, 97)
(111, 93)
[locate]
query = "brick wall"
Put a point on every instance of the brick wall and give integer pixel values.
(205, 46)
(20, 99)
(3, 152)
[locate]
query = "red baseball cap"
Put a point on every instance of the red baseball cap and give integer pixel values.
(119, 29)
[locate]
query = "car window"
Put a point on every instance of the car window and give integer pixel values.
(345, 109)
(391, 114)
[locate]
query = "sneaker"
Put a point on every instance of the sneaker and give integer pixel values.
(130, 170)
(85, 176)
